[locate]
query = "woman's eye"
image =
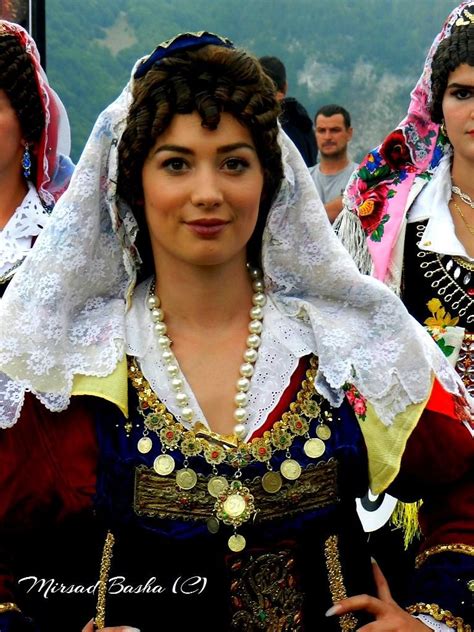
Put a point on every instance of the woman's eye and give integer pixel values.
(236, 164)
(462, 93)
(174, 164)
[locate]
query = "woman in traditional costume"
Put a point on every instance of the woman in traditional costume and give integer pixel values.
(409, 221)
(35, 141)
(225, 381)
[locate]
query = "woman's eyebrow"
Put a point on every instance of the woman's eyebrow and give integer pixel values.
(224, 149)
(176, 148)
(461, 85)
(233, 146)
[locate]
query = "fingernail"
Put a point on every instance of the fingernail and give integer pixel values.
(131, 630)
(373, 560)
(333, 610)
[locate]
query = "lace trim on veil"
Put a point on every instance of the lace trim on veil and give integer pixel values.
(64, 311)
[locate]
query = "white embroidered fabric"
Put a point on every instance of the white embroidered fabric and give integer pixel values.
(284, 342)
(64, 312)
(25, 223)
(432, 624)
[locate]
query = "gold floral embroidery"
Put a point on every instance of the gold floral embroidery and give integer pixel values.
(265, 593)
(336, 581)
(103, 580)
(466, 549)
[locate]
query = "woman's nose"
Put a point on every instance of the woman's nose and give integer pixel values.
(207, 191)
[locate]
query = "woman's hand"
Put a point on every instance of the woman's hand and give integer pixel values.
(90, 628)
(389, 617)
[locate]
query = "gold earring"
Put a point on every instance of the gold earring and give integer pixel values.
(443, 128)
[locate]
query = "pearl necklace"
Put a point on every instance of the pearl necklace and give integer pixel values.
(242, 385)
(464, 196)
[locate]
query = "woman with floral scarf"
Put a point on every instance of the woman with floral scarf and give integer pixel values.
(35, 142)
(409, 221)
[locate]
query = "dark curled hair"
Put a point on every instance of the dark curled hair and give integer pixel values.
(17, 78)
(209, 80)
(456, 49)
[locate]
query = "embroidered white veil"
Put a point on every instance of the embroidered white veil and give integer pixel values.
(64, 312)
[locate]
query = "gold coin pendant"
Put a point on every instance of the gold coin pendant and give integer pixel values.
(234, 505)
(164, 464)
(323, 431)
(272, 482)
(144, 445)
(314, 448)
(217, 485)
(186, 478)
(290, 469)
(213, 525)
(236, 543)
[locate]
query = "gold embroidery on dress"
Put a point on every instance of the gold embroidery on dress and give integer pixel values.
(230, 502)
(438, 614)
(159, 496)
(103, 580)
(466, 549)
(336, 581)
(265, 593)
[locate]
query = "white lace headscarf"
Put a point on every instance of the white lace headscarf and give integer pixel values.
(64, 312)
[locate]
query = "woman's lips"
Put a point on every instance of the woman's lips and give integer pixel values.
(207, 227)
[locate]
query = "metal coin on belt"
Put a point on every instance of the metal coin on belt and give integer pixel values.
(213, 525)
(272, 482)
(217, 485)
(314, 448)
(323, 431)
(164, 464)
(290, 469)
(186, 478)
(144, 445)
(236, 543)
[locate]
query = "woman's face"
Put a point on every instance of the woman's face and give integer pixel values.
(458, 111)
(202, 191)
(11, 138)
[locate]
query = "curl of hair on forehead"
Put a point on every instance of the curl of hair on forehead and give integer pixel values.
(17, 79)
(209, 80)
(453, 51)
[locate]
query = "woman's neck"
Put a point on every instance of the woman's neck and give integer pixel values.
(12, 192)
(214, 296)
(463, 216)
(462, 175)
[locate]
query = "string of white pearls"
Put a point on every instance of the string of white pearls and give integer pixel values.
(246, 368)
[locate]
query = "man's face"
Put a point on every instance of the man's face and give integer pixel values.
(332, 135)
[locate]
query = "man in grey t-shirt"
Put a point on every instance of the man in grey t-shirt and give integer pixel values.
(333, 132)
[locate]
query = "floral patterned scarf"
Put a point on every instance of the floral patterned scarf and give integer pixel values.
(54, 167)
(378, 191)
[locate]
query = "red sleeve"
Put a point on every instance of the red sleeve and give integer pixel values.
(438, 464)
(452, 406)
(440, 450)
(48, 470)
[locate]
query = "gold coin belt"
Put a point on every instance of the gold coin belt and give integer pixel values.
(234, 504)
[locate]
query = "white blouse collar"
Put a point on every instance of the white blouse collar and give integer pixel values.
(432, 204)
(16, 238)
(284, 342)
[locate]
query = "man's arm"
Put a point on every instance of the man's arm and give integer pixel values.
(333, 208)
